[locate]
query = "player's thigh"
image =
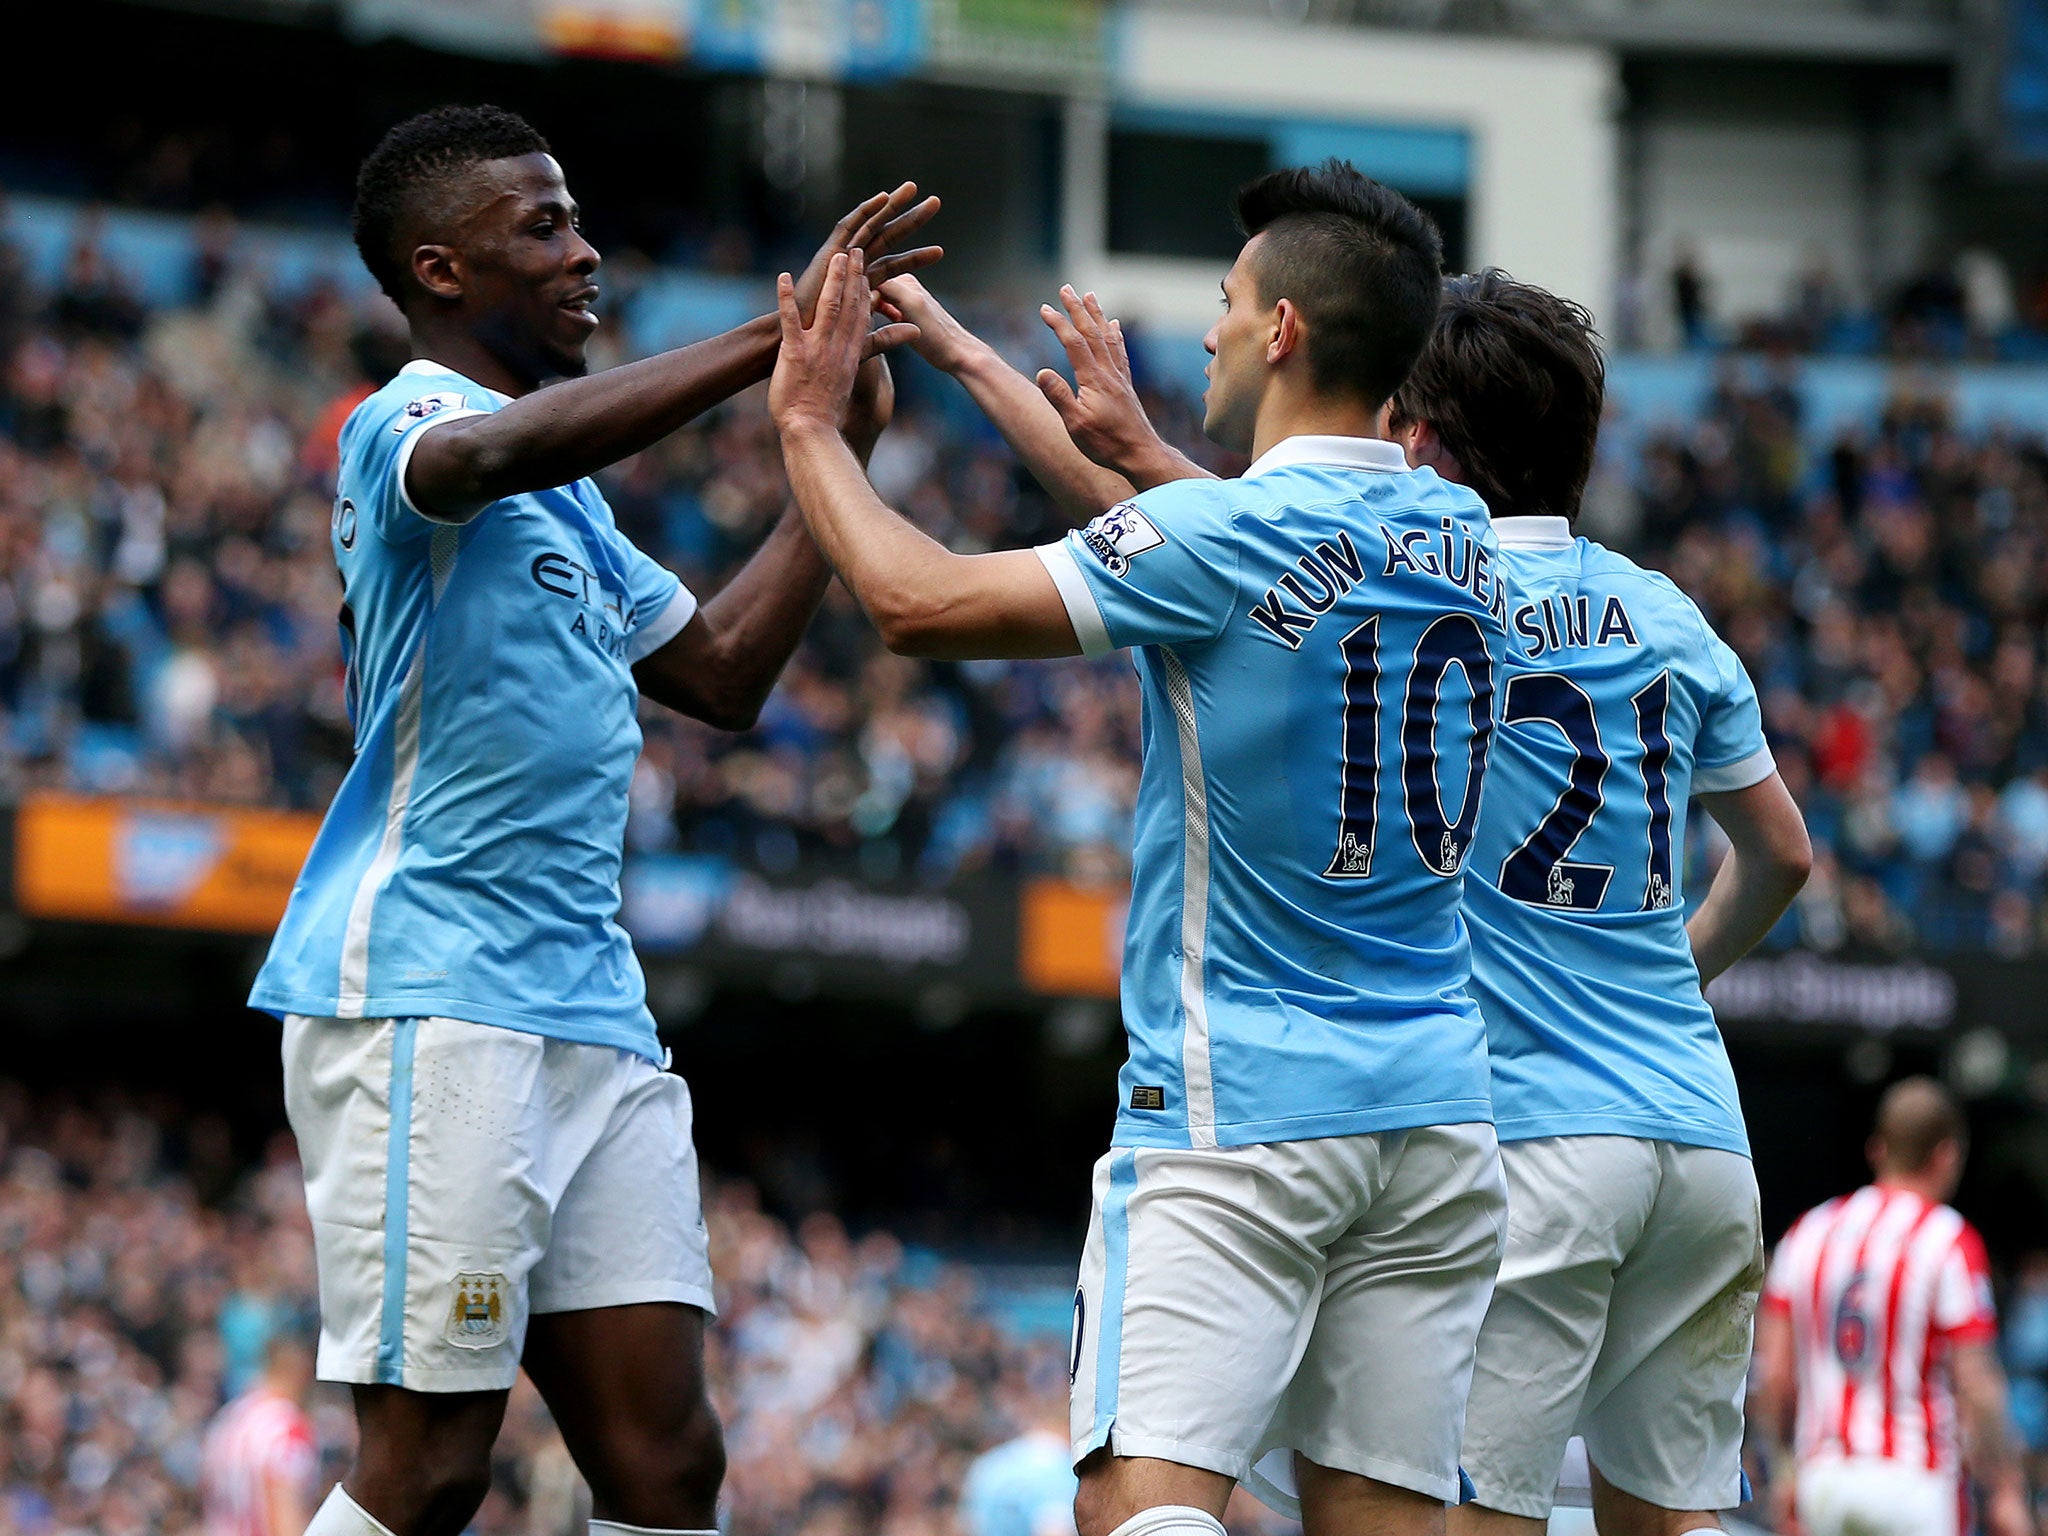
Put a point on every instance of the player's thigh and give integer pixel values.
(1575, 1205)
(426, 1182)
(1381, 1388)
(1870, 1497)
(1199, 1282)
(619, 1299)
(628, 1225)
(1663, 1420)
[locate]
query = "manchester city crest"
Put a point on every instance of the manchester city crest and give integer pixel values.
(478, 1318)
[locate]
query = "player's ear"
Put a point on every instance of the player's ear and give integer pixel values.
(1286, 335)
(437, 269)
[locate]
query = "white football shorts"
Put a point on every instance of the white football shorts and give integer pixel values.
(1623, 1313)
(1869, 1496)
(462, 1177)
(1319, 1296)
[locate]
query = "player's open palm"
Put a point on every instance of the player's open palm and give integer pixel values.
(1101, 408)
(820, 360)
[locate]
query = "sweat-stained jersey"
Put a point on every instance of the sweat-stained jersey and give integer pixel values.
(1879, 1287)
(469, 866)
(1617, 703)
(1318, 645)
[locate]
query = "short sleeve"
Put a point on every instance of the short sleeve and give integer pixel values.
(662, 605)
(378, 442)
(1731, 752)
(1160, 570)
(1963, 1311)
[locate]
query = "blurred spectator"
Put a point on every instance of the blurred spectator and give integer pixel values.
(1689, 298)
(1025, 1486)
(259, 1463)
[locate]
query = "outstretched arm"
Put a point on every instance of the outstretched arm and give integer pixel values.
(1768, 861)
(1029, 422)
(923, 599)
(571, 429)
(722, 665)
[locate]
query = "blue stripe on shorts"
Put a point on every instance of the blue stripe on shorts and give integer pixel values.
(397, 1189)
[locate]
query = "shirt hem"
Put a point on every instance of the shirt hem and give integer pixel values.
(1083, 612)
(1743, 773)
(639, 1042)
(1637, 1127)
(650, 637)
(1350, 1122)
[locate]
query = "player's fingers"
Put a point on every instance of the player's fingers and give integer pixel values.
(785, 307)
(1063, 328)
(831, 296)
(886, 309)
(1100, 331)
(892, 231)
(1118, 349)
(850, 324)
(1058, 391)
(886, 338)
(843, 231)
(1085, 326)
(887, 267)
(877, 223)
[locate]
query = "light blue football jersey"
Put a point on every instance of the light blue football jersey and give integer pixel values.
(1317, 645)
(469, 865)
(1619, 701)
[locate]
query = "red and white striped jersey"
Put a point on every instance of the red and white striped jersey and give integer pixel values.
(1880, 1286)
(260, 1436)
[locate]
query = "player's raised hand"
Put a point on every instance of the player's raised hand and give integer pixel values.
(1101, 408)
(876, 227)
(819, 360)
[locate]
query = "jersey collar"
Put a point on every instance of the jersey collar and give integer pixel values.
(1533, 532)
(1344, 452)
(426, 365)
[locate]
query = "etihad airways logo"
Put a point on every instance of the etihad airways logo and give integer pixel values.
(565, 577)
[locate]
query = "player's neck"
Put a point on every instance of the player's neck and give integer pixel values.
(460, 351)
(1287, 412)
(1928, 1189)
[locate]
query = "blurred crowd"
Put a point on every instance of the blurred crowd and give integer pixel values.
(143, 1272)
(1887, 596)
(1965, 306)
(168, 599)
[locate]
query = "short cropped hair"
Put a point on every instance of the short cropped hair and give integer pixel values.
(1359, 261)
(1513, 383)
(415, 163)
(1915, 1116)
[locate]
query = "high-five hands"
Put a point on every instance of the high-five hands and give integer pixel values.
(875, 228)
(820, 359)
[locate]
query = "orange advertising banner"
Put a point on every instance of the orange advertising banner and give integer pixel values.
(1070, 938)
(101, 860)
